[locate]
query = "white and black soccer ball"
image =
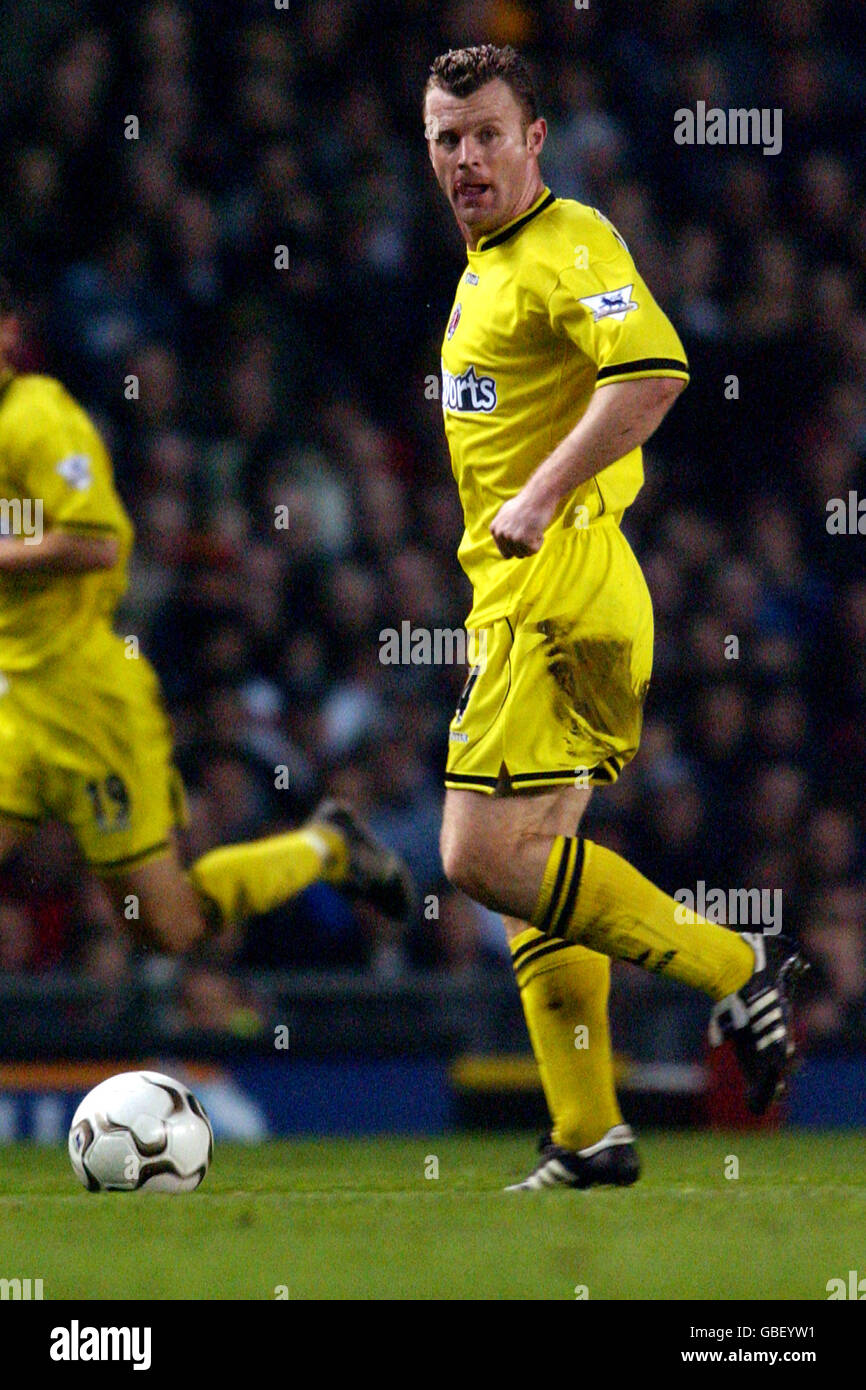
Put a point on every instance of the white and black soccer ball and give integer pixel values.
(140, 1131)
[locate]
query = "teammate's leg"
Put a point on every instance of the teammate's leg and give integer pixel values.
(175, 909)
(333, 846)
(234, 882)
(158, 902)
(93, 747)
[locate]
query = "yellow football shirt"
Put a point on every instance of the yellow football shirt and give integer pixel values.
(54, 463)
(549, 308)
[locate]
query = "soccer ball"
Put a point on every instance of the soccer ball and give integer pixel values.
(140, 1130)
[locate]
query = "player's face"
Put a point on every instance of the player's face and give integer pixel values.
(485, 161)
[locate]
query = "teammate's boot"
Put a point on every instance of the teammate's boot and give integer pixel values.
(758, 1018)
(375, 873)
(612, 1162)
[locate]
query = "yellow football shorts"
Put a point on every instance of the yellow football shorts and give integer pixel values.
(85, 739)
(555, 695)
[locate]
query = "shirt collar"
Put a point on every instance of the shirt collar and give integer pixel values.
(510, 229)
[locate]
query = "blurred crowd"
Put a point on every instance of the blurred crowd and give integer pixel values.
(231, 248)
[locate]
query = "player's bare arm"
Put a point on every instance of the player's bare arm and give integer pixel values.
(58, 552)
(619, 418)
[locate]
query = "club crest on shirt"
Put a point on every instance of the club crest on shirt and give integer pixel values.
(454, 320)
(612, 304)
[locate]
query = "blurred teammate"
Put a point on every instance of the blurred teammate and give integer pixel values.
(84, 736)
(557, 365)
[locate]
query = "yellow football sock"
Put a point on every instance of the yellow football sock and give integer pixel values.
(564, 992)
(238, 881)
(591, 895)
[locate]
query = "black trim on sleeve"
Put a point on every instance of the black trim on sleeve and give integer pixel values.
(644, 364)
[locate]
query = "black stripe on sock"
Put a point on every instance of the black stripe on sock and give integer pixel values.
(557, 888)
(563, 917)
(522, 952)
(541, 950)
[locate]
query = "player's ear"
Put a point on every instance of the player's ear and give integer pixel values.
(431, 131)
(536, 134)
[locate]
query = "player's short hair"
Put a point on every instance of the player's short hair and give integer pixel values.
(461, 71)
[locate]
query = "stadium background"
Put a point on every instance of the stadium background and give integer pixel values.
(309, 388)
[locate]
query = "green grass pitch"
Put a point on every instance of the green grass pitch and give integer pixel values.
(337, 1218)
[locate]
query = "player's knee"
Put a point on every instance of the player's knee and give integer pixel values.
(174, 929)
(160, 906)
(466, 866)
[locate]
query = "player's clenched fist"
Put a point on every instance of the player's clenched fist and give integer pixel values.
(519, 525)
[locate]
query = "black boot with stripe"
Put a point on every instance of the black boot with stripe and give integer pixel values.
(612, 1162)
(375, 873)
(758, 1018)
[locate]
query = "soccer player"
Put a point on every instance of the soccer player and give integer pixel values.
(84, 736)
(557, 365)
